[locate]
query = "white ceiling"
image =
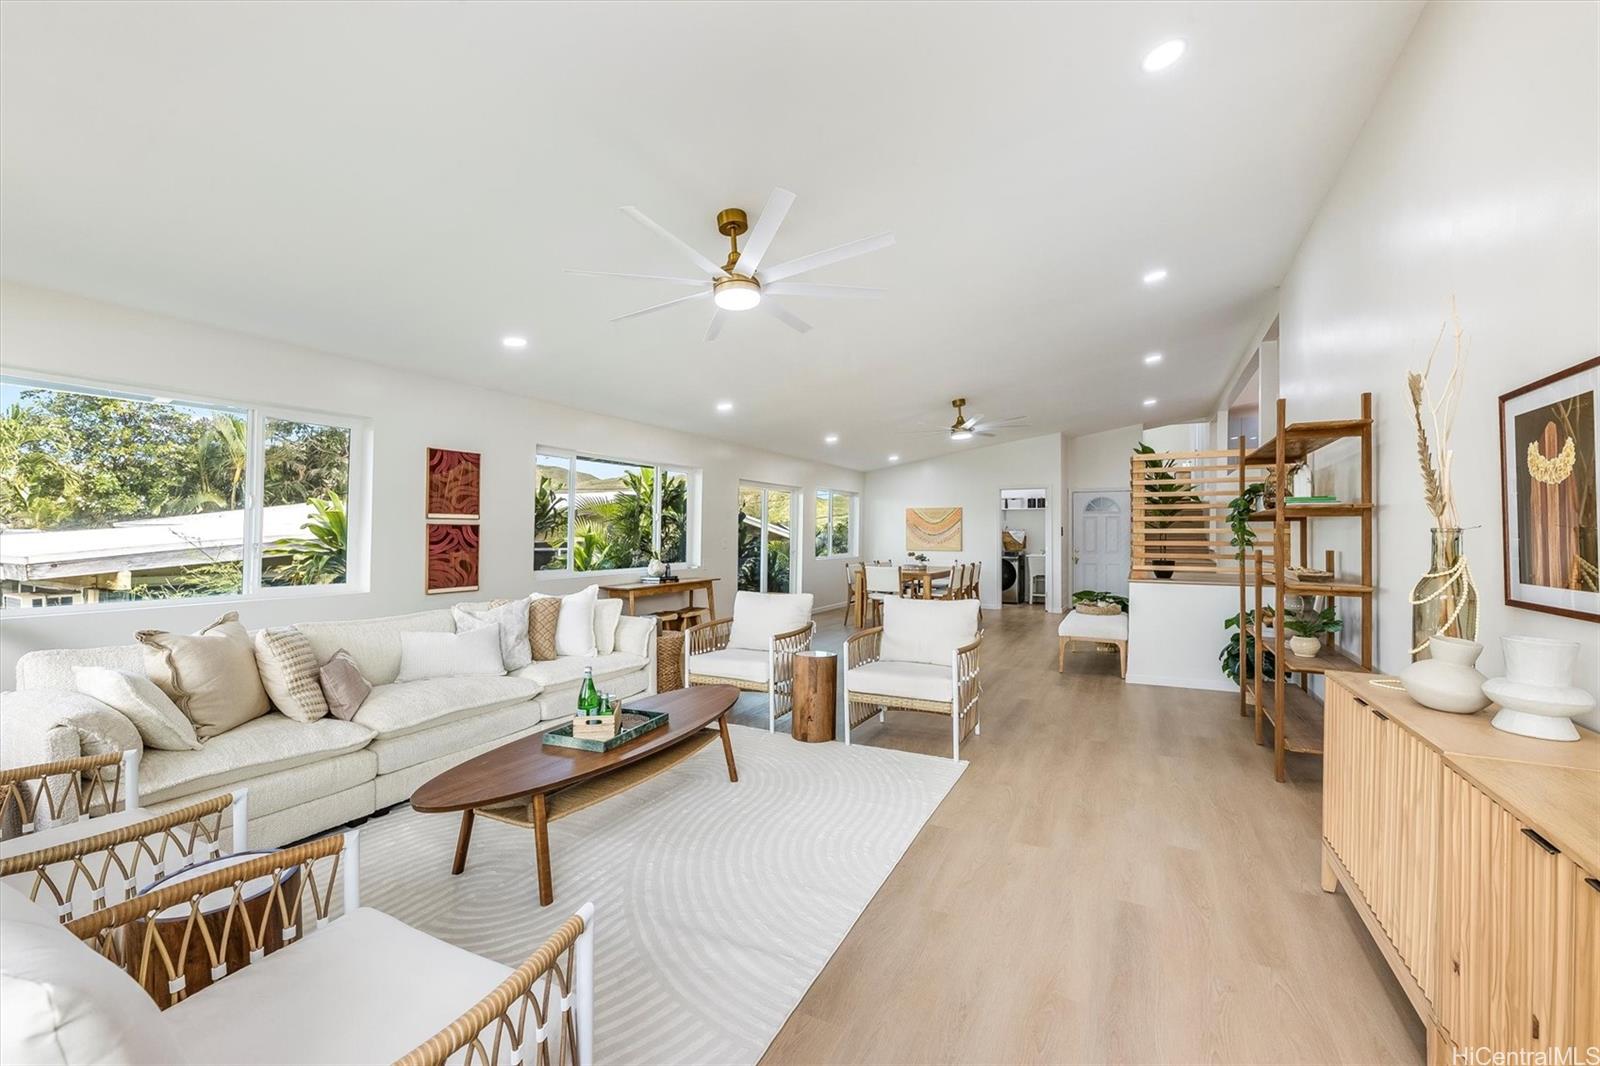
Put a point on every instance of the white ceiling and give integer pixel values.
(405, 184)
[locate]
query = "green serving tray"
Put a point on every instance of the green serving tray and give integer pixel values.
(635, 724)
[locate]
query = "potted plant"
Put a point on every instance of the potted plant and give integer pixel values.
(1239, 511)
(1163, 489)
(1230, 656)
(1308, 629)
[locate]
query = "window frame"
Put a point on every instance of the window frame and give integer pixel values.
(851, 550)
(691, 525)
(358, 503)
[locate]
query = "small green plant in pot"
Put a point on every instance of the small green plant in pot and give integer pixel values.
(1308, 629)
(1230, 657)
(1091, 596)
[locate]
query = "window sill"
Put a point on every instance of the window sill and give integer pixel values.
(279, 595)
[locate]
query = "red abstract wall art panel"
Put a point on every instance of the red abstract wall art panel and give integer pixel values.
(453, 484)
(452, 557)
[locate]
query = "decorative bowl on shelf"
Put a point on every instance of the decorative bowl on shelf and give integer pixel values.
(1307, 573)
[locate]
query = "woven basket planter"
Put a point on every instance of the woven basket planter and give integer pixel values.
(1097, 608)
(669, 661)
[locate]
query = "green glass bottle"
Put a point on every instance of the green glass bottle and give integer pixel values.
(588, 695)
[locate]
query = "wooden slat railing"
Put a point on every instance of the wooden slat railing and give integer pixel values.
(1180, 514)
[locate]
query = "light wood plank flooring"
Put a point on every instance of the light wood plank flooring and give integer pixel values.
(1116, 878)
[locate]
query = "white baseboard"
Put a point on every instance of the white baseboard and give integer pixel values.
(828, 607)
(1221, 684)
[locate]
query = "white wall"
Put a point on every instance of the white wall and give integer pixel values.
(48, 333)
(1475, 176)
(972, 480)
(1175, 632)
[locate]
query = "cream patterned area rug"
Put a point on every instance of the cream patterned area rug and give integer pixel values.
(716, 904)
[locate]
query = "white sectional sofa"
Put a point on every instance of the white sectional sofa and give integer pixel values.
(306, 777)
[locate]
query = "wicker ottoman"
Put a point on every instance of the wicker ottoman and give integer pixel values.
(669, 660)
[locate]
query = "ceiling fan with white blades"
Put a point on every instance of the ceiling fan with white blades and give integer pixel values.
(743, 282)
(966, 426)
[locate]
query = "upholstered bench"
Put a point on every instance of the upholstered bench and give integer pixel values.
(1096, 629)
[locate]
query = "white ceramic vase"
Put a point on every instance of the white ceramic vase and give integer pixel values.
(656, 568)
(1448, 680)
(1305, 647)
(1537, 697)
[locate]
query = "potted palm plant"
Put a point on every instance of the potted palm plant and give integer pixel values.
(1163, 490)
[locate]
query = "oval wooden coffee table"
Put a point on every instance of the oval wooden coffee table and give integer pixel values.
(517, 782)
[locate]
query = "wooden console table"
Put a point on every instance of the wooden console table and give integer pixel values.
(634, 591)
(1473, 857)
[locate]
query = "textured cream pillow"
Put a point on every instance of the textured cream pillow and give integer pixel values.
(160, 724)
(288, 670)
(509, 618)
(211, 676)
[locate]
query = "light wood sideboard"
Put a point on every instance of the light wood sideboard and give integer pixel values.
(1473, 858)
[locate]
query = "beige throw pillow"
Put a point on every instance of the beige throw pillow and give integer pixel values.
(211, 676)
(160, 724)
(288, 669)
(344, 685)
(543, 615)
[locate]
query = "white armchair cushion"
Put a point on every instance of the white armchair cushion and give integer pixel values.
(424, 655)
(760, 616)
(741, 664)
(1095, 626)
(367, 988)
(927, 631)
(510, 620)
(62, 1002)
(917, 681)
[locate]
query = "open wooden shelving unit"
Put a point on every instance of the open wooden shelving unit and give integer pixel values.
(1295, 715)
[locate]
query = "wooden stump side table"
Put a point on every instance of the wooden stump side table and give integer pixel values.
(816, 677)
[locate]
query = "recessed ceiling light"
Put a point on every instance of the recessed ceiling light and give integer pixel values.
(1151, 402)
(1156, 276)
(1164, 55)
(1152, 359)
(831, 438)
(725, 406)
(514, 342)
(894, 458)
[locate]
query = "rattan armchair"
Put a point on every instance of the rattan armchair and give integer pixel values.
(255, 914)
(52, 794)
(84, 874)
(712, 659)
(874, 685)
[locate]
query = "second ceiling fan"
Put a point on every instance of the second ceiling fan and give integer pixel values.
(742, 283)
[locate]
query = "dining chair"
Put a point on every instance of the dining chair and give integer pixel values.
(951, 587)
(883, 582)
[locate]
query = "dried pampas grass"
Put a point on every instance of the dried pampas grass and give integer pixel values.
(1435, 458)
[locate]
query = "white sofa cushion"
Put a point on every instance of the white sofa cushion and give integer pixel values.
(53, 667)
(607, 615)
(475, 652)
(926, 631)
(259, 746)
(557, 674)
(510, 619)
(917, 681)
(62, 1002)
(406, 706)
(153, 714)
(742, 664)
(374, 643)
(366, 988)
(633, 635)
(575, 626)
(211, 674)
(760, 616)
(1095, 626)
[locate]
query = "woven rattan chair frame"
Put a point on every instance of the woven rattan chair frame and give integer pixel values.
(781, 649)
(68, 789)
(966, 685)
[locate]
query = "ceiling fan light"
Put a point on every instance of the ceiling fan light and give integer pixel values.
(736, 293)
(961, 434)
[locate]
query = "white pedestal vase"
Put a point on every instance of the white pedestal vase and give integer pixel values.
(1447, 679)
(1537, 697)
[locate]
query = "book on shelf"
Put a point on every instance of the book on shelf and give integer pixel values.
(1311, 499)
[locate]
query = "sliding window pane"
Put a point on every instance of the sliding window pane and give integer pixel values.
(750, 526)
(550, 547)
(615, 511)
(824, 539)
(306, 481)
(778, 527)
(674, 516)
(841, 522)
(107, 498)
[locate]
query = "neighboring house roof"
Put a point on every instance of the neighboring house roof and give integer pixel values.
(141, 544)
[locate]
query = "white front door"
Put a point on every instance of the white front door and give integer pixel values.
(1100, 527)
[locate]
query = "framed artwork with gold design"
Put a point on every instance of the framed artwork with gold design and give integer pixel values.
(933, 529)
(1550, 493)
